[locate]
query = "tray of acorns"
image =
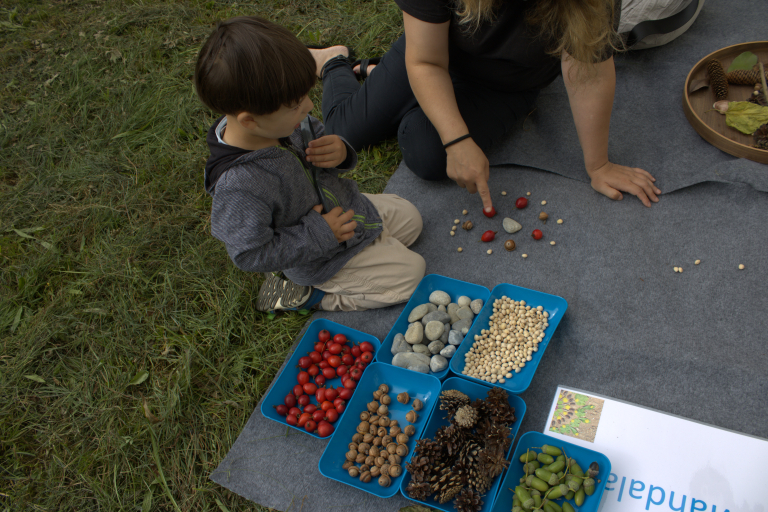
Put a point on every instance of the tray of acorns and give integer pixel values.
(725, 100)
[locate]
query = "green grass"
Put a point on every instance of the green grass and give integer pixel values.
(131, 355)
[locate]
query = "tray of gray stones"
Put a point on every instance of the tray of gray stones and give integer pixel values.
(433, 325)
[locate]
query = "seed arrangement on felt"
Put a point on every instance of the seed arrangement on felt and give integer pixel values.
(550, 475)
(465, 457)
(380, 444)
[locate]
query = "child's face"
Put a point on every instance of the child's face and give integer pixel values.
(283, 122)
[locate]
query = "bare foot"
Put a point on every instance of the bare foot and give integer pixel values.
(326, 54)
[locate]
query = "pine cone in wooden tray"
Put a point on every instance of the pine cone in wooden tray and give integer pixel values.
(717, 80)
(745, 76)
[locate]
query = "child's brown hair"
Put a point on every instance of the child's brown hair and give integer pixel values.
(249, 64)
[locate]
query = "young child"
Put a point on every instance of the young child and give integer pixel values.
(267, 205)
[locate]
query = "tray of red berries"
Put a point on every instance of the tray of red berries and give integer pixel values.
(311, 392)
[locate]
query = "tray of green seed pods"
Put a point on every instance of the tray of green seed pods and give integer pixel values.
(549, 475)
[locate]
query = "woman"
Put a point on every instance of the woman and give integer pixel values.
(471, 70)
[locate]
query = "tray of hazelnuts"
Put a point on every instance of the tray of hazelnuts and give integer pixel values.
(383, 420)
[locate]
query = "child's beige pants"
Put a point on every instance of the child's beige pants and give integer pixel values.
(386, 272)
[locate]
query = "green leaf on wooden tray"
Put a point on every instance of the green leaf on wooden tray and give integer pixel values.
(745, 116)
(744, 61)
(139, 378)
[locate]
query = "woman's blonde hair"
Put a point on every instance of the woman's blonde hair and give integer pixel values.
(583, 28)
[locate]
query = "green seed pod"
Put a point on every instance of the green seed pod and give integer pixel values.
(567, 507)
(576, 469)
(561, 457)
(516, 501)
(544, 474)
(530, 467)
(537, 501)
(554, 493)
(589, 486)
(551, 450)
(538, 483)
(560, 475)
(556, 506)
(528, 456)
(517, 508)
(564, 489)
(529, 480)
(574, 484)
(548, 507)
(578, 498)
(534, 492)
(545, 459)
(522, 479)
(524, 497)
(556, 466)
(570, 495)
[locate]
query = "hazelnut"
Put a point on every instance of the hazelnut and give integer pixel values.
(384, 388)
(401, 450)
(402, 438)
(395, 470)
(357, 438)
(363, 447)
(364, 468)
(352, 446)
(374, 451)
(380, 461)
(385, 440)
(353, 471)
(385, 468)
(375, 471)
(403, 398)
(381, 432)
(384, 421)
(391, 448)
(410, 430)
(377, 441)
(509, 245)
(385, 400)
(374, 419)
(360, 458)
(393, 431)
(376, 395)
(364, 416)
(393, 423)
(365, 477)
(363, 427)
(367, 438)
(370, 460)
(372, 406)
(543, 216)
(468, 225)
(383, 410)
(351, 455)
(347, 464)
(384, 481)
(412, 417)
(417, 405)
(394, 459)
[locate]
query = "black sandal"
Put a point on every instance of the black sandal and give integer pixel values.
(364, 63)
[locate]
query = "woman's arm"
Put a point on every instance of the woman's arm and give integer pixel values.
(591, 100)
(426, 59)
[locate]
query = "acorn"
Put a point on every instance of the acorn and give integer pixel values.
(364, 416)
(384, 421)
(412, 417)
(402, 438)
(394, 431)
(381, 432)
(386, 440)
(372, 406)
(392, 448)
(351, 455)
(401, 450)
(394, 459)
(374, 419)
(403, 398)
(380, 461)
(376, 394)
(363, 447)
(364, 468)
(384, 481)
(360, 458)
(353, 471)
(467, 226)
(370, 460)
(393, 423)
(357, 438)
(395, 470)
(367, 438)
(385, 400)
(363, 427)
(417, 405)
(384, 388)
(365, 477)
(377, 441)
(352, 446)
(509, 245)
(347, 464)
(385, 468)
(375, 471)
(410, 430)
(382, 410)
(543, 216)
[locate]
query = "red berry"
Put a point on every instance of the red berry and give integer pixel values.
(310, 426)
(361, 365)
(355, 373)
(310, 388)
(302, 378)
(327, 405)
(319, 347)
(491, 213)
(318, 415)
(331, 415)
(313, 370)
(330, 394)
(338, 401)
(350, 384)
(320, 394)
(334, 348)
(334, 361)
(366, 346)
(324, 429)
(298, 390)
(345, 394)
(340, 407)
(348, 359)
(340, 338)
(304, 418)
(521, 203)
(290, 400)
(329, 373)
(356, 351)
(291, 420)
(344, 378)
(323, 365)
(323, 336)
(326, 354)
(309, 408)
(367, 357)
(342, 370)
(281, 409)
(320, 380)
(488, 236)
(315, 356)
(305, 362)
(537, 234)
(303, 400)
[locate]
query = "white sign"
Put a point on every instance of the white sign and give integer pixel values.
(661, 462)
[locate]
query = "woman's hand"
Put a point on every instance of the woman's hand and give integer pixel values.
(468, 167)
(611, 179)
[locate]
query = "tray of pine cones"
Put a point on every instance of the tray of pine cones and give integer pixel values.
(709, 82)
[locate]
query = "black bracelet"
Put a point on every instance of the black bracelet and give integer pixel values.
(454, 141)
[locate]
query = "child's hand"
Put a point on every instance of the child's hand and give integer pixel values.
(327, 151)
(341, 222)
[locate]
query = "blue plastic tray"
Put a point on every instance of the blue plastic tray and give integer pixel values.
(584, 456)
(552, 304)
(437, 420)
(418, 385)
(287, 378)
(428, 284)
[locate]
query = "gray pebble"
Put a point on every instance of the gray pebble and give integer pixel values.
(441, 308)
(421, 368)
(455, 337)
(458, 326)
(463, 301)
(444, 336)
(436, 346)
(452, 309)
(436, 315)
(418, 313)
(400, 345)
(448, 351)
(438, 363)
(465, 312)
(406, 359)
(434, 330)
(464, 330)
(438, 297)
(422, 349)
(511, 226)
(476, 306)
(432, 307)
(415, 333)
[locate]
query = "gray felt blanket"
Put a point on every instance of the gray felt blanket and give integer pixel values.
(691, 343)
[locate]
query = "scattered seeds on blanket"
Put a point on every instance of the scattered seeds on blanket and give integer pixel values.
(697, 262)
(559, 221)
(680, 269)
(453, 233)
(464, 212)
(525, 255)
(503, 192)
(741, 267)
(509, 245)
(552, 242)
(543, 203)
(459, 249)
(467, 225)
(543, 216)
(489, 251)
(454, 228)
(527, 193)
(456, 221)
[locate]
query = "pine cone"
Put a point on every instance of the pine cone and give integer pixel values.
(717, 79)
(452, 399)
(468, 501)
(430, 449)
(498, 408)
(493, 461)
(761, 137)
(758, 99)
(418, 490)
(451, 439)
(419, 468)
(745, 76)
(466, 416)
(449, 485)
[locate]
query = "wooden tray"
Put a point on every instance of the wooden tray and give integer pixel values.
(711, 124)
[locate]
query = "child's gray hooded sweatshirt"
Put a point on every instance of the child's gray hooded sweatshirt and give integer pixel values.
(262, 209)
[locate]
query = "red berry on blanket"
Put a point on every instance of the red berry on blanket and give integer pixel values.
(313, 370)
(315, 356)
(488, 236)
(310, 409)
(334, 361)
(304, 418)
(356, 351)
(320, 395)
(345, 394)
(537, 234)
(291, 420)
(350, 384)
(318, 415)
(340, 408)
(490, 213)
(348, 359)
(329, 373)
(521, 203)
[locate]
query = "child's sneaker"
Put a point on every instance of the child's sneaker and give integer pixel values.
(280, 294)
